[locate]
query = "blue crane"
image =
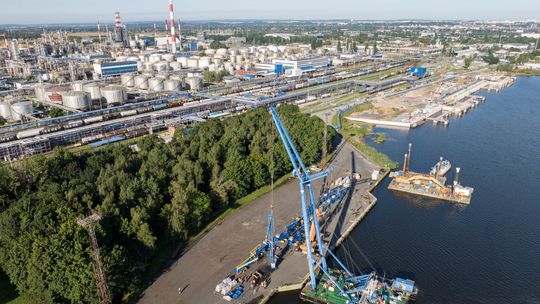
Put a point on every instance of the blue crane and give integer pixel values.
(308, 204)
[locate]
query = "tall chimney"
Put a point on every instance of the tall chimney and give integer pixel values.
(173, 34)
(405, 165)
(409, 158)
(99, 31)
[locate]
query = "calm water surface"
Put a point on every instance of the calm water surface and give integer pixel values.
(487, 252)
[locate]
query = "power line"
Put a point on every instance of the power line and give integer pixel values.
(101, 281)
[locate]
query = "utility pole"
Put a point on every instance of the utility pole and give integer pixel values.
(101, 282)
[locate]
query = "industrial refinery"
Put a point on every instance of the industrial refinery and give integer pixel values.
(178, 160)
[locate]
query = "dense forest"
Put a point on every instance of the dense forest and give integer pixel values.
(149, 198)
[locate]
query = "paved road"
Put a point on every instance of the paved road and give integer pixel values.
(215, 255)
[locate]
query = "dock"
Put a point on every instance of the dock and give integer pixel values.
(428, 185)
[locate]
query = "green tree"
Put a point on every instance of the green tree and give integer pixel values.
(467, 61)
(56, 112)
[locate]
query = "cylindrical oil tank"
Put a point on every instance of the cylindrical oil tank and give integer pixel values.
(162, 75)
(162, 66)
(141, 82)
(154, 58)
(212, 67)
(210, 52)
(133, 58)
(54, 94)
(5, 110)
(128, 80)
(195, 83)
(155, 84)
(21, 108)
(148, 74)
(94, 89)
(193, 62)
(77, 86)
(183, 61)
(114, 94)
(171, 85)
(221, 52)
(77, 100)
(218, 61)
(168, 57)
(148, 66)
(204, 62)
(40, 92)
(175, 66)
(121, 58)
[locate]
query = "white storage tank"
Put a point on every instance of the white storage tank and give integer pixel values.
(193, 62)
(54, 94)
(148, 74)
(21, 108)
(77, 86)
(168, 57)
(171, 85)
(114, 94)
(175, 66)
(128, 80)
(156, 84)
(218, 61)
(162, 66)
(183, 61)
(94, 89)
(195, 83)
(154, 58)
(77, 100)
(204, 62)
(210, 52)
(121, 58)
(162, 75)
(177, 77)
(221, 52)
(133, 58)
(141, 82)
(148, 66)
(40, 92)
(5, 110)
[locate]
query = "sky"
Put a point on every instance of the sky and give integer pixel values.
(84, 11)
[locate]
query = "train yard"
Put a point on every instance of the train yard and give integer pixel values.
(180, 108)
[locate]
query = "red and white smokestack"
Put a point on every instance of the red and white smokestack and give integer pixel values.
(117, 20)
(167, 28)
(171, 16)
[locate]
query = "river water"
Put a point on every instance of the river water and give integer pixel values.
(487, 252)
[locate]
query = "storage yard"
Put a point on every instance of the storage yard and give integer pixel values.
(198, 269)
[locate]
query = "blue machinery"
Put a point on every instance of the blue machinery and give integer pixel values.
(305, 179)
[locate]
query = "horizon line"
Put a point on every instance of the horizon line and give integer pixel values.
(282, 20)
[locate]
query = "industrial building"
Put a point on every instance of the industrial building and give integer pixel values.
(115, 68)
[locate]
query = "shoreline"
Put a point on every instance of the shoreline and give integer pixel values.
(372, 202)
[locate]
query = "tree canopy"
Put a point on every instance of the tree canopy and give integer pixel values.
(160, 195)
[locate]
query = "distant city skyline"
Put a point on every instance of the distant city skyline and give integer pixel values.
(71, 11)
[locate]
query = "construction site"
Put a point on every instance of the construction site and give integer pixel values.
(431, 185)
(116, 85)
